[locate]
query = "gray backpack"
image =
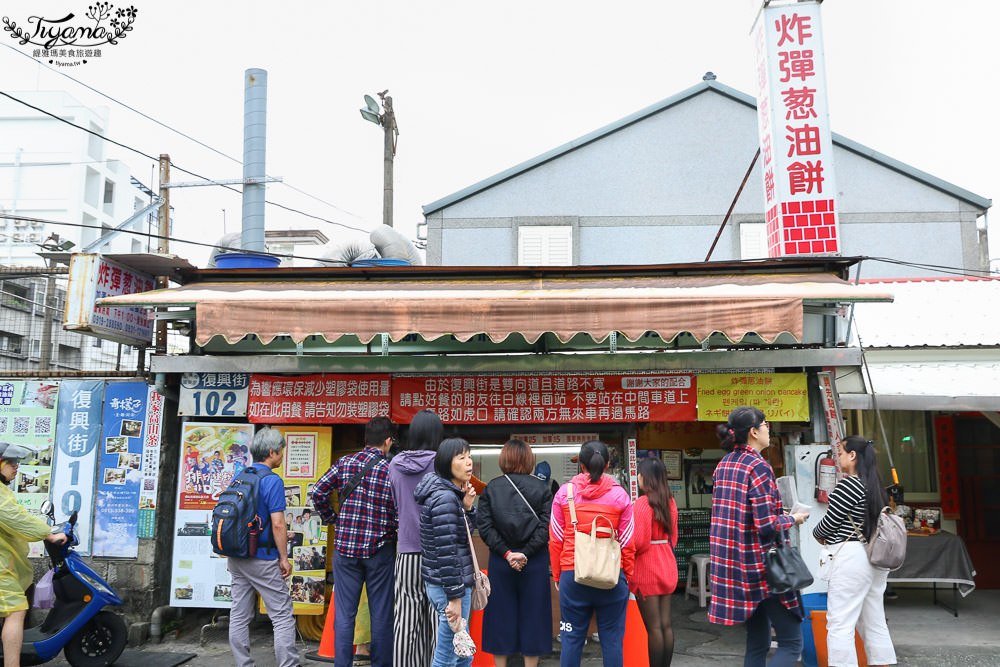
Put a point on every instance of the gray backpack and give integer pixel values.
(887, 546)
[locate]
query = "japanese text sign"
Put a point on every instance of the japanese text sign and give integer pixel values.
(796, 145)
(550, 399)
(75, 465)
(782, 397)
(92, 277)
(318, 399)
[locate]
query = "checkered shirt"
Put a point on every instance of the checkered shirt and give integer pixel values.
(746, 516)
(368, 518)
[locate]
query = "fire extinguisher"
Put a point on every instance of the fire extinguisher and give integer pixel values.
(826, 476)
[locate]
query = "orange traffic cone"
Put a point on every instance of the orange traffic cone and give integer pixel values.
(819, 638)
(636, 644)
(325, 653)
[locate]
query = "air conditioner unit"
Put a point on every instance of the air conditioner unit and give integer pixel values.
(18, 222)
(37, 224)
(35, 238)
(18, 237)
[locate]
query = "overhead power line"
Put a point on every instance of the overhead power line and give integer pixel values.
(172, 129)
(175, 166)
(175, 239)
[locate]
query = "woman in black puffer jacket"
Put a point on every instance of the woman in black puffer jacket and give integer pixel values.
(446, 497)
(514, 515)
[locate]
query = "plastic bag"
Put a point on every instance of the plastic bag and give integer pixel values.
(464, 646)
(45, 594)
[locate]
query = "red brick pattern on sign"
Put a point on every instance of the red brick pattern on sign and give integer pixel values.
(808, 227)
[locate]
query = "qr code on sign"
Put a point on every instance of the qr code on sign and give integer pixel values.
(43, 425)
(3, 424)
(21, 425)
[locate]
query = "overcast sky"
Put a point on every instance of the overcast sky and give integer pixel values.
(479, 87)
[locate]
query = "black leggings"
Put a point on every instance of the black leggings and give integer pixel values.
(655, 612)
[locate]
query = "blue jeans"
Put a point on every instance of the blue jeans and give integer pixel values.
(377, 573)
(577, 604)
(444, 652)
(787, 629)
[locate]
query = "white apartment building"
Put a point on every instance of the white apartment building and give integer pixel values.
(50, 170)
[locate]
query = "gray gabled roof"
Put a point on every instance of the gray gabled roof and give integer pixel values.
(948, 188)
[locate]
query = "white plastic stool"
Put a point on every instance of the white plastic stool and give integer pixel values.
(699, 561)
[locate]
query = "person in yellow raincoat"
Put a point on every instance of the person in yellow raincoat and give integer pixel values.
(17, 529)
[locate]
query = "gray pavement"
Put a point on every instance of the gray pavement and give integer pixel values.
(924, 635)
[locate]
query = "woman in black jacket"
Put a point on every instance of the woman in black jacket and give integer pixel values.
(514, 523)
(447, 513)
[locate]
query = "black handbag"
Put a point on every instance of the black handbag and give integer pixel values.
(784, 568)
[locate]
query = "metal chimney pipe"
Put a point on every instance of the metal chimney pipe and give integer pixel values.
(254, 147)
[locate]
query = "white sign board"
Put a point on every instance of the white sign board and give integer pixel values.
(213, 395)
(796, 145)
(92, 277)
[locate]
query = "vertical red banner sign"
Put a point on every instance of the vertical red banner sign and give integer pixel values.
(796, 144)
(944, 431)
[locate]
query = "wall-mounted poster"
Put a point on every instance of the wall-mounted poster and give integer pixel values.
(28, 418)
(307, 458)
(211, 455)
(119, 476)
(672, 462)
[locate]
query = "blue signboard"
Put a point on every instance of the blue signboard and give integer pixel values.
(78, 432)
(119, 475)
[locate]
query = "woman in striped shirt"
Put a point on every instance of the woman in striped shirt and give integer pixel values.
(856, 588)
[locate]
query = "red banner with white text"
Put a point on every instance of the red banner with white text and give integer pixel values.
(318, 399)
(549, 399)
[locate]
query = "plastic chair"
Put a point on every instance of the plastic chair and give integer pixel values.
(699, 561)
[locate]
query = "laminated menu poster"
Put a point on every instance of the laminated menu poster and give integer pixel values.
(306, 459)
(211, 455)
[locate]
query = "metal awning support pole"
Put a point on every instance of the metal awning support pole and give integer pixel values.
(108, 237)
(733, 205)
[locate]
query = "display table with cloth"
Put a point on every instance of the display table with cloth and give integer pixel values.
(940, 558)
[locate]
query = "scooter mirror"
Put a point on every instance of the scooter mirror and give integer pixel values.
(48, 509)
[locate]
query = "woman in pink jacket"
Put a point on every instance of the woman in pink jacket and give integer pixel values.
(655, 566)
(594, 493)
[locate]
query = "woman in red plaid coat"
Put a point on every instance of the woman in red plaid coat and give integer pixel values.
(746, 519)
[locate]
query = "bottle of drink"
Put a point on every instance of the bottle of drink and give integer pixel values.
(252, 541)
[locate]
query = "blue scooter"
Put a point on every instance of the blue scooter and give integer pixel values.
(77, 623)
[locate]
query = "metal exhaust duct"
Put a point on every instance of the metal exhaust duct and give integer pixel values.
(254, 147)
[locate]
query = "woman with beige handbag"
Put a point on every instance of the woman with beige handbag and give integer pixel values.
(591, 553)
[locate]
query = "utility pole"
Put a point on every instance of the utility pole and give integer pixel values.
(45, 354)
(387, 120)
(388, 153)
(163, 246)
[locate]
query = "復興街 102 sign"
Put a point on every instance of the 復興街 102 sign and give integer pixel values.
(549, 399)
(68, 38)
(213, 395)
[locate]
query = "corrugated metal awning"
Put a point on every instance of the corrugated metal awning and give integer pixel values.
(734, 305)
(968, 384)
